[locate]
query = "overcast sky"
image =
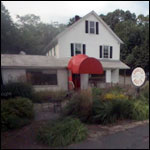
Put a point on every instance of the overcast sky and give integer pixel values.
(62, 11)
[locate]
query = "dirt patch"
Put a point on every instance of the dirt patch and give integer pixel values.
(24, 138)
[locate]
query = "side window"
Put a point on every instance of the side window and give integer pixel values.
(77, 48)
(105, 51)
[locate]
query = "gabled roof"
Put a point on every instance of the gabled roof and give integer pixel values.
(55, 40)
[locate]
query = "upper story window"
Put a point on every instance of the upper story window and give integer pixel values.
(106, 51)
(77, 48)
(91, 27)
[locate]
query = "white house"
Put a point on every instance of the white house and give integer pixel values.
(90, 35)
(87, 52)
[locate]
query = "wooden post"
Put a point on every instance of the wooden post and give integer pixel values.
(124, 77)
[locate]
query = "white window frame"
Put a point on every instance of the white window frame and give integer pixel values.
(108, 52)
(92, 27)
(81, 50)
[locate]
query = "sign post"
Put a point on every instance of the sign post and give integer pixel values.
(138, 78)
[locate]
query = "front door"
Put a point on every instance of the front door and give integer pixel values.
(76, 81)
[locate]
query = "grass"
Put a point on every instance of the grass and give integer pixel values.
(62, 132)
(80, 105)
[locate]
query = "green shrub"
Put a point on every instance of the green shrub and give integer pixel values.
(144, 93)
(15, 89)
(114, 96)
(62, 132)
(105, 112)
(115, 90)
(140, 111)
(46, 96)
(80, 105)
(96, 92)
(16, 113)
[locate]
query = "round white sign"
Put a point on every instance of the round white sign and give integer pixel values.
(138, 76)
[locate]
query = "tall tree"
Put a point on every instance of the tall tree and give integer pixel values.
(134, 31)
(9, 34)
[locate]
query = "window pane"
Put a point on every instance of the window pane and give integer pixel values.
(91, 30)
(105, 51)
(41, 78)
(91, 24)
(92, 27)
(78, 49)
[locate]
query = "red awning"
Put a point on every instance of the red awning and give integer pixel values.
(82, 64)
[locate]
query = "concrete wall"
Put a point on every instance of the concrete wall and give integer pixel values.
(13, 75)
(108, 76)
(84, 79)
(17, 74)
(115, 76)
(93, 41)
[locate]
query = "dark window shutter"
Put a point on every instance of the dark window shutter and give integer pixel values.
(72, 49)
(86, 26)
(111, 49)
(97, 28)
(84, 49)
(100, 51)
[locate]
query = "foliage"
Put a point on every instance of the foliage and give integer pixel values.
(140, 111)
(113, 96)
(145, 91)
(134, 31)
(73, 20)
(15, 89)
(108, 106)
(62, 132)
(46, 96)
(16, 113)
(110, 111)
(97, 92)
(9, 43)
(31, 35)
(80, 105)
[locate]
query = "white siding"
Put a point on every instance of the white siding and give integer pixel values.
(92, 41)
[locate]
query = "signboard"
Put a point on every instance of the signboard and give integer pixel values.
(138, 77)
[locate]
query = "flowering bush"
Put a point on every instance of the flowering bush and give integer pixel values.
(113, 96)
